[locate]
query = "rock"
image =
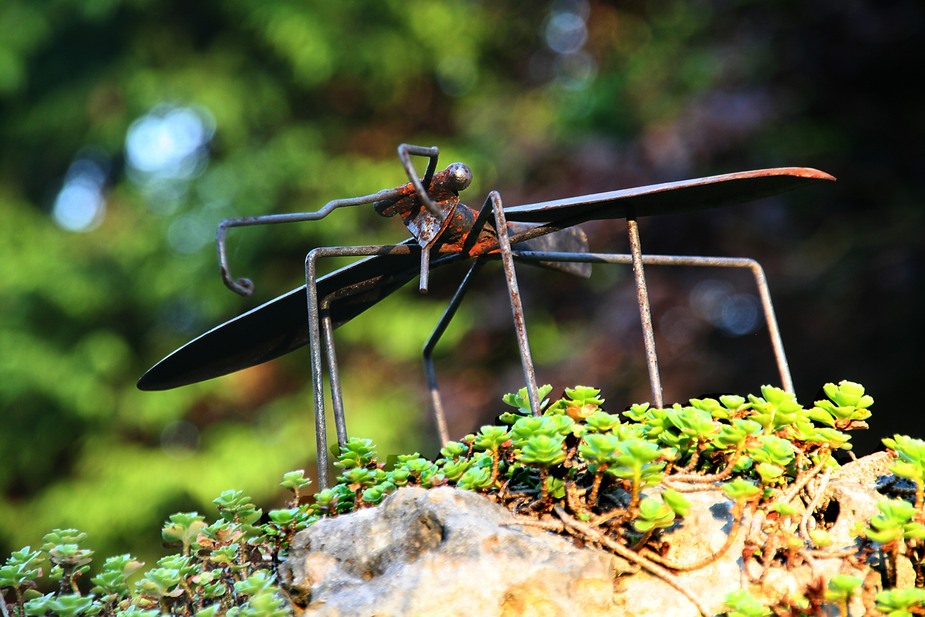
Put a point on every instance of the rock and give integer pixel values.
(445, 551)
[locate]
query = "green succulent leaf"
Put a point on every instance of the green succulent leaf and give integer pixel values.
(255, 583)
(543, 450)
(295, 481)
(774, 409)
(236, 506)
(475, 479)
(452, 450)
(356, 452)
(637, 412)
(848, 394)
(841, 586)
(521, 400)
(735, 434)
(741, 489)
(911, 454)
(821, 538)
(601, 422)
(898, 602)
(598, 450)
(63, 536)
(530, 426)
(284, 517)
(676, 501)
(653, 514)
(743, 604)
(491, 438)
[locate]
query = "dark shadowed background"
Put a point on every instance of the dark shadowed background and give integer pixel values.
(129, 128)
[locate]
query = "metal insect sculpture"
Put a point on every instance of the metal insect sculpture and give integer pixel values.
(443, 231)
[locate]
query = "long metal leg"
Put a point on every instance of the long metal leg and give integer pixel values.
(783, 367)
(436, 403)
(330, 354)
(314, 338)
(645, 314)
(317, 321)
(520, 325)
(761, 284)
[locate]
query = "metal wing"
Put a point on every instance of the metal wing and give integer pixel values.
(687, 195)
(279, 326)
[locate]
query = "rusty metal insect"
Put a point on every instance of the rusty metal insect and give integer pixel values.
(443, 231)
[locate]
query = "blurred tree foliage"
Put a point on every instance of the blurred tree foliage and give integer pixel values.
(129, 128)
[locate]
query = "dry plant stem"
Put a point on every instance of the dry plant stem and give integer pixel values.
(607, 517)
(544, 490)
(695, 458)
(844, 553)
(598, 477)
(573, 497)
(869, 592)
(495, 462)
(694, 478)
(697, 487)
(503, 491)
(815, 595)
(814, 503)
(807, 558)
(527, 521)
(641, 542)
(634, 500)
(767, 555)
(3, 608)
(737, 510)
(800, 483)
(593, 535)
(890, 563)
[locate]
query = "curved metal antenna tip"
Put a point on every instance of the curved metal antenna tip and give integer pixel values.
(242, 286)
(404, 154)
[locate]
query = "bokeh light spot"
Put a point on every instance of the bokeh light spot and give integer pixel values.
(168, 143)
(566, 32)
(739, 314)
(80, 204)
(180, 439)
(734, 313)
(456, 75)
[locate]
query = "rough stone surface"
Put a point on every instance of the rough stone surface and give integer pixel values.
(450, 552)
(852, 491)
(443, 552)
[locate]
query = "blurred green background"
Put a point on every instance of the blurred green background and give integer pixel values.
(130, 128)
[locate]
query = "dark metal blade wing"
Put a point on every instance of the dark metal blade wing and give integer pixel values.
(281, 325)
(687, 195)
(569, 240)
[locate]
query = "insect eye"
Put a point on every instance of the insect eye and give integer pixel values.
(459, 176)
